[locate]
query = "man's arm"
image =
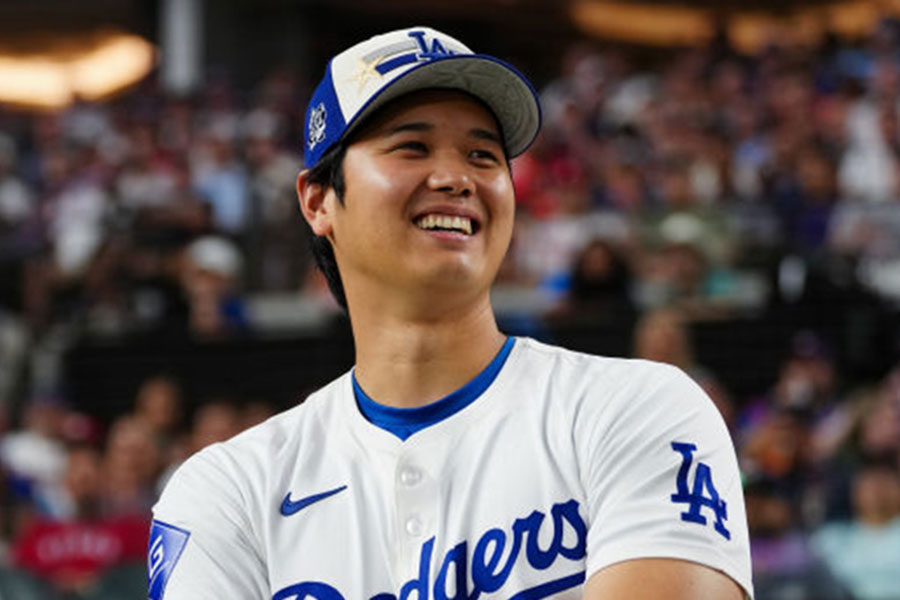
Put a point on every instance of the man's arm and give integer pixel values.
(201, 543)
(664, 499)
(654, 578)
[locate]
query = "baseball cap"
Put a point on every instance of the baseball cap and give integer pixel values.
(216, 254)
(365, 77)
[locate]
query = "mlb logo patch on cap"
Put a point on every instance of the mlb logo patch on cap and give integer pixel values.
(367, 76)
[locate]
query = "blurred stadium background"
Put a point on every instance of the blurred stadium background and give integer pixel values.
(716, 186)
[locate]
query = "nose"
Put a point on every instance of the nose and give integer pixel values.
(451, 177)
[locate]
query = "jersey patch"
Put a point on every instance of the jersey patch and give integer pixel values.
(702, 494)
(167, 542)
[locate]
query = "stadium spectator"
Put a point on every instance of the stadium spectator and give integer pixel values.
(784, 564)
(221, 178)
(210, 278)
(72, 553)
(662, 335)
(864, 553)
(215, 421)
(34, 456)
(158, 405)
(131, 464)
(279, 247)
(600, 287)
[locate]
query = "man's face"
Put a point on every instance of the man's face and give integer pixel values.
(429, 200)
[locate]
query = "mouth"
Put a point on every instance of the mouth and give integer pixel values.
(438, 222)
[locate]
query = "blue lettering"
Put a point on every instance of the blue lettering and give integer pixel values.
(437, 49)
(486, 558)
(703, 494)
(313, 590)
(687, 454)
(456, 557)
(537, 558)
(483, 570)
(419, 36)
(568, 512)
(419, 585)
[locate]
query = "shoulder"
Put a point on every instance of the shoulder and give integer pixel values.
(235, 472)
(557, 357)
(605, 382)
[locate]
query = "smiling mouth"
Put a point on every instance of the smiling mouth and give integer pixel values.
(451, 223)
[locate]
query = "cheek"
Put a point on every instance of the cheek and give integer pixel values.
(376, 178)
(366, 177)
(502, 205)
(499, 189)
(374, 187)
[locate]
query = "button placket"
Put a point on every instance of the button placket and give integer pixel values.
(410, 476)
(414, 526)
(416, 503)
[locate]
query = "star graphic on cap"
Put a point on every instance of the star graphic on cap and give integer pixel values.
(366, 71)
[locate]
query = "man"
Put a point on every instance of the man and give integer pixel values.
(452, 462)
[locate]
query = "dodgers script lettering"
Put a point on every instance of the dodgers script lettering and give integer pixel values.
(487, 574)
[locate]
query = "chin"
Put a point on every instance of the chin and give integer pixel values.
(453, 276)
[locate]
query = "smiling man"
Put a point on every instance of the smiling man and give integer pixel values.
(452, 461)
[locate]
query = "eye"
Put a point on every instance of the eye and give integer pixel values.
(484, 155)
(412, 145)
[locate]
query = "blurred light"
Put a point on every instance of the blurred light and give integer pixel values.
(39, 82)
(854, 18)
(51, 80)
(651, 24)
(752, 31)
(749, 30)
(117, 64)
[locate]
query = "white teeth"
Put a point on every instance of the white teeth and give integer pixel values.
(458, 223)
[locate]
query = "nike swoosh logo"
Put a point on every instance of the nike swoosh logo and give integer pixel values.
(289, 507)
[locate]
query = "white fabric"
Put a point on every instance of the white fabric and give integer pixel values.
(555, 428)
(357, 65)
(360, 88)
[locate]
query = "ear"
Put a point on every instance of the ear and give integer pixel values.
(315, 204)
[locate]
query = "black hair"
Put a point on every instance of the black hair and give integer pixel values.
(329, 172)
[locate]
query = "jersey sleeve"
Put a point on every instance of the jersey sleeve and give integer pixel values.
(201, 544)
(662, 479)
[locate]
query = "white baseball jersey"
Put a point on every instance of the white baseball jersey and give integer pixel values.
(565, 464)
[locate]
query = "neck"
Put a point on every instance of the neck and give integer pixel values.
(408, 362)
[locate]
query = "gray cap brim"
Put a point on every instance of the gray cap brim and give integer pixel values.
(498, 84)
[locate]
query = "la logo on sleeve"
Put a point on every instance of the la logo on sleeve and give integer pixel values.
(702, 495)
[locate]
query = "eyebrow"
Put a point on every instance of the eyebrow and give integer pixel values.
(420, 126)
(415, 126)
(484, 134)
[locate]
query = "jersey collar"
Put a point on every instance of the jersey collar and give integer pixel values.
(403, 422)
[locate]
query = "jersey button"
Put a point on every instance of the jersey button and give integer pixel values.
(410, 476)
(414, 526)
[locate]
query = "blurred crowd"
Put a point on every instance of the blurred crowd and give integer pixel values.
(703, 185)
(78, 497)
